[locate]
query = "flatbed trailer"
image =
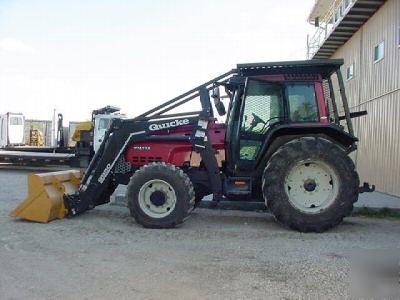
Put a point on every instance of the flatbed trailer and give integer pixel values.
(41, 149)
(78, 156)
(38, 158)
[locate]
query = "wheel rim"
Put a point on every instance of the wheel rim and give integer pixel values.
(157, 198)
(311, 186)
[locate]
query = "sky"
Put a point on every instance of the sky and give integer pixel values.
(76, 56)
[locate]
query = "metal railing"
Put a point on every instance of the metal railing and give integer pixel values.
(327, 24)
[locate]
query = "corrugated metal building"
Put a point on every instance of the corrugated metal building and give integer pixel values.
(366, 33)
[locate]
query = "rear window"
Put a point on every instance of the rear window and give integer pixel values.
(302, 103)
(15, 121)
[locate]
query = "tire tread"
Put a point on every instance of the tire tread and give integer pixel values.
(275, 197)
(187, 189)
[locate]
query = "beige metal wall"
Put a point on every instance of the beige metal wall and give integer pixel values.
(375, 87)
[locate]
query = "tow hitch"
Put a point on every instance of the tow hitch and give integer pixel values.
(366, 188)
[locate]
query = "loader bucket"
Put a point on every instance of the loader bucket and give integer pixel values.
(45, 196)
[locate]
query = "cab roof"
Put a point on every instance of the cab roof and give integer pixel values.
(323, 67)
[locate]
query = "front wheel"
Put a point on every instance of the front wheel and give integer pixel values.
(160, 195)
(310, 184)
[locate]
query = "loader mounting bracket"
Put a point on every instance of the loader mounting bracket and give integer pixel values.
(75, 205)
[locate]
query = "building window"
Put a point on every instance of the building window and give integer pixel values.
(350, 72)
(398, 36)
(379, 51)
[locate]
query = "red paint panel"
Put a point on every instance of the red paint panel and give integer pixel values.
(323, 117)
(270, 77)
(217, 134)
(174, 152)
(142, 153)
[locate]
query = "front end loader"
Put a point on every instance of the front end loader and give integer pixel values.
(283, 142)
(44, 202)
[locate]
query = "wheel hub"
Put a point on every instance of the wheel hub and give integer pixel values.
(311, 186)
(157, 198)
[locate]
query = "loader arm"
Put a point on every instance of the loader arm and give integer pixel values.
(98, 183)
(57, 194)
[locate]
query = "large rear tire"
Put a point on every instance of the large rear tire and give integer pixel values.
(160, 195)
(310, 184)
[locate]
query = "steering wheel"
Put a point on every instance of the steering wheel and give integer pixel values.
(256, 120)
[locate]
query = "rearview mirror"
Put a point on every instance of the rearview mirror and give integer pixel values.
(215, 93)
(219, 105)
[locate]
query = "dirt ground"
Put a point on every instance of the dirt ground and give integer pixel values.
(216, 254)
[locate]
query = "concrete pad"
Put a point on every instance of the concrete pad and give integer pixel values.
(215, 254)
(378, 200)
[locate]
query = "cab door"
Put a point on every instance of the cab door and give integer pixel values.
(101, 123)
(261, 108)
(16, 129)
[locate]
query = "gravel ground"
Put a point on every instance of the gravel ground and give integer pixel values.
(103, 254)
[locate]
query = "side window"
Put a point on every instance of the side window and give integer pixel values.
(262, 108)
(302, 103)
(103, 124)
(15, 121)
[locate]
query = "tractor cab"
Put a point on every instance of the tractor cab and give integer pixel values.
(273, 102)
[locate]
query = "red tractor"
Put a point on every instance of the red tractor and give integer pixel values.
(283, 142)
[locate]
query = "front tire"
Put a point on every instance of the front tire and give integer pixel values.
(160, 195)
(310, 184)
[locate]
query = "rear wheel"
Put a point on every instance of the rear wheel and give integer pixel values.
(310, 184)
(160, 195)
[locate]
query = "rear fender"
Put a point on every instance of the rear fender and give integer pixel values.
(284, 133)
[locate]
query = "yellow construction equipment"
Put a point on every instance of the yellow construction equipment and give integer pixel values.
(45, 196)
(36, 138)
(82, 126)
